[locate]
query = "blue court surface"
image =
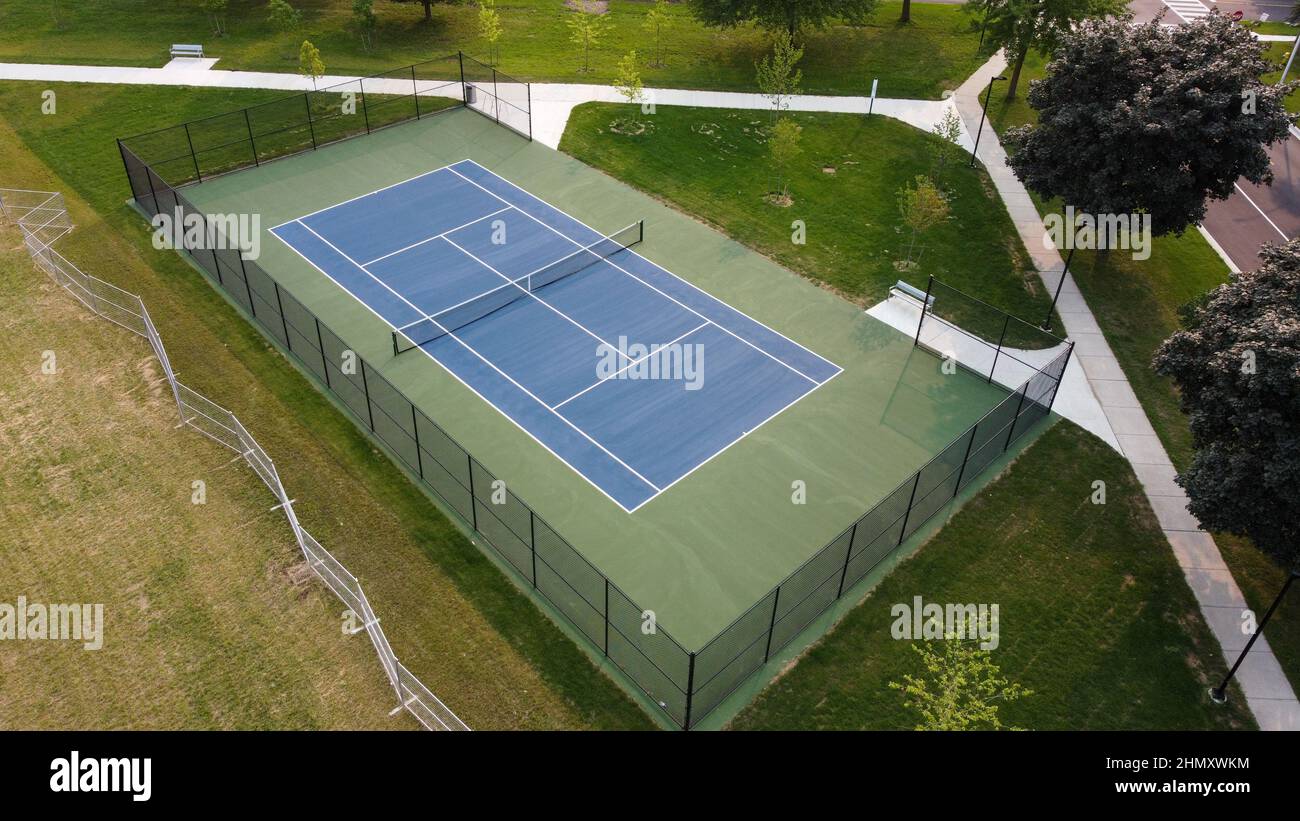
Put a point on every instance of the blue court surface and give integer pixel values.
(627, 373)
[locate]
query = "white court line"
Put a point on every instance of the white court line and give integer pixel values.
(510, 281)
(602, 448)
(471, 388)
(362, 196)
(722, 328)
(1285, 238)
(437, 236)
(654, 352)
(685, 282)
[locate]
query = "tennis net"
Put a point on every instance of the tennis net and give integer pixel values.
(433, 326)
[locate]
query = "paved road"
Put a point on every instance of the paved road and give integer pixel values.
(1256, 214)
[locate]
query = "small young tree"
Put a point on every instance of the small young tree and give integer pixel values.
(310, 63)
(778, 74)
(282, 16)
(216, 10)
(948, 130)
(922, 206)
(489, 27)
(784, 146)
(586, 27)
(628, 79)
(656, 19)
(1145, 119)
(1237, 368)
(363, 17)
(965, 687)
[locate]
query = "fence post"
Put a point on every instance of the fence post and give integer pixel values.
(415, 429)
(415, 91)
(853, 534)
(464, 90)
(252, 306)
(365, 113)
(1068, 352)
(964, 459)
(532, 544)
(928, 285)
(771, 625)
(690, 693)
(284, 323)
(251, 142)
(306, 101)
(473, 499)
(1011, 430)
(126, 166)
(606, 617)
(998, 351)
(496, 98)
(193, 157)
(365, 387)
(902, 534)
(324, 363)
(528, 90)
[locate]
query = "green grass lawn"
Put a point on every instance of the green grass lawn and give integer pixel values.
(451, 615)
(1095, 616)
(1136, 304)
(920, 60)
(715, 164)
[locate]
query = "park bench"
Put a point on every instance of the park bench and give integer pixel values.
(186, 50)
(915, 293)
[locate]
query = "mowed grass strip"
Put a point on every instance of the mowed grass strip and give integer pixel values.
(453, 618)
(716, 165)
(1095, 616)
(206, 624)
(935, 52)
(1137, 305)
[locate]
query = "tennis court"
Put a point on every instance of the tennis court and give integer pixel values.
(628, 374)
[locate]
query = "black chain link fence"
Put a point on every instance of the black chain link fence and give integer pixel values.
(686, 685)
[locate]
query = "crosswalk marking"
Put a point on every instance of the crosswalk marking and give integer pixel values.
(1188, 10)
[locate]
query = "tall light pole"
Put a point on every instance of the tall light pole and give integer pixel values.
(983, 114)
(1220, 694)
(1047, 323)
(1294, 46)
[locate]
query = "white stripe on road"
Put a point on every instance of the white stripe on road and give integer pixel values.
(1242, 191)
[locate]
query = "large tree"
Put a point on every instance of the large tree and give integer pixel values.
(790, 15)
(1237, 364)
(1017, 26)
(1145, 119)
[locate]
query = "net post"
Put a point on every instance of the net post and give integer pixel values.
(193, 157)
(771, 625)
(924, 304)
(902, 533)
(848, 553)
(306, 101)
(252, 143)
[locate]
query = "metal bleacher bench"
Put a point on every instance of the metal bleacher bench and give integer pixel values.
(915, 293)
(186, 50)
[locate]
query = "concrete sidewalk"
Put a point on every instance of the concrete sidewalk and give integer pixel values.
(1267, 690)
(551, 103)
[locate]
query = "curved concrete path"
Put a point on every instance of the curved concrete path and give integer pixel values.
(1267, 689)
